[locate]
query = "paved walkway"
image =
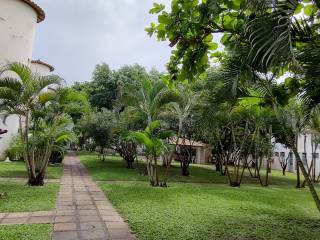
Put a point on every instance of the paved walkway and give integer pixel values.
(27, 217)
(25, 180)
(83, 211)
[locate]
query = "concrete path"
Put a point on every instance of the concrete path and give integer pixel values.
(83, 211)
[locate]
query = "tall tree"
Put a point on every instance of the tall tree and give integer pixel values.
(148, 98)
(263, 38)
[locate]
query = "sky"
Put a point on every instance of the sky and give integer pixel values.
(78, 34)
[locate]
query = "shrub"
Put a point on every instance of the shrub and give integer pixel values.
(15, 150)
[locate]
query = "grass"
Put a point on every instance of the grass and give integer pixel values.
(22, 198)
(18, 170)
(26, 232)
(204, 207)
(203, 211)
(114, 169)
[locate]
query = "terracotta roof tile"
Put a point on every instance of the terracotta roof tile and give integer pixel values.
(41, 14)
(44, 64)
(186, 142)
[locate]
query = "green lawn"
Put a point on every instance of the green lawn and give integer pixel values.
(198, 211)
(22, 198)
(26, 232)
(114, 169)
(201, 207)
(18, 170)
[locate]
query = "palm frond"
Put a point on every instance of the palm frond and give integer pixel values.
(7, 94)
(11, 83)
(21, 70)
(45, 97)
(142, 139)
(46, 81)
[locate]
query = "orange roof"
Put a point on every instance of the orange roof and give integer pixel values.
(41, 14)
(44, 64)
(186, 142)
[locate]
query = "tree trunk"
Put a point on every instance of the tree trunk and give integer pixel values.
(37, 181)
(130, 163)
(298, 174)
(305, 174)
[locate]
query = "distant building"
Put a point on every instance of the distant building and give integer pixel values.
(18, 24)
(201, 152)
(281, 151)
(41, 68)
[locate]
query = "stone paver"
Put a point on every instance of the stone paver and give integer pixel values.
(24, 180)
(27, 217)
(83, 211)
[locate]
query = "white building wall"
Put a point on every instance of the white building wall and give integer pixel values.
(18, 23)
(18, 27)
(279, 148)
(40, 69)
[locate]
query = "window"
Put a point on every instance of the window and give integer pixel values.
(282, 155)
(316, 155)
(276, 154)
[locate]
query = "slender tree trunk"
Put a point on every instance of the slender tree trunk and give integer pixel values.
(156, 170)
(298, 174)
(267, 173)
(305, 174)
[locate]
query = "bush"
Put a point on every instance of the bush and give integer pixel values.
(56, 157)
(15, 150)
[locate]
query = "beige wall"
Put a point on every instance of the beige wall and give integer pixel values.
(17, 27)
(40, 69)
(203, 155)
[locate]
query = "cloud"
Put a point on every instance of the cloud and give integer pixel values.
(78, 34)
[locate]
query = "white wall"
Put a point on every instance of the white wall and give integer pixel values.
(292, 164)
(40, 69)
(18, 28)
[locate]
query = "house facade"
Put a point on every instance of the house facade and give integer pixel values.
(201, 152)
(305, 150)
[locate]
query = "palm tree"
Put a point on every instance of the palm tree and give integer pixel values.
(148, 98)
(181, 111)
(20, 93)
(153, 140)
(51, 135)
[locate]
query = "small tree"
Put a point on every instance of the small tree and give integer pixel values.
(25, 96)
(98, 127)
(153, 141)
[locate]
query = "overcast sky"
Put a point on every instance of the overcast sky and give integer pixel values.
(78, 34)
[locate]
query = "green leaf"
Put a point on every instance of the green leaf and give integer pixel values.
(229, 22)
(235, 4)
(157, 8)
(308, 10)
(299, 8)
(213, 46)
(204, 60)
(225, 38)
(208, 38)
(150, 30)
(163, 19)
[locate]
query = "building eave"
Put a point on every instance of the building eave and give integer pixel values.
(40, 13)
